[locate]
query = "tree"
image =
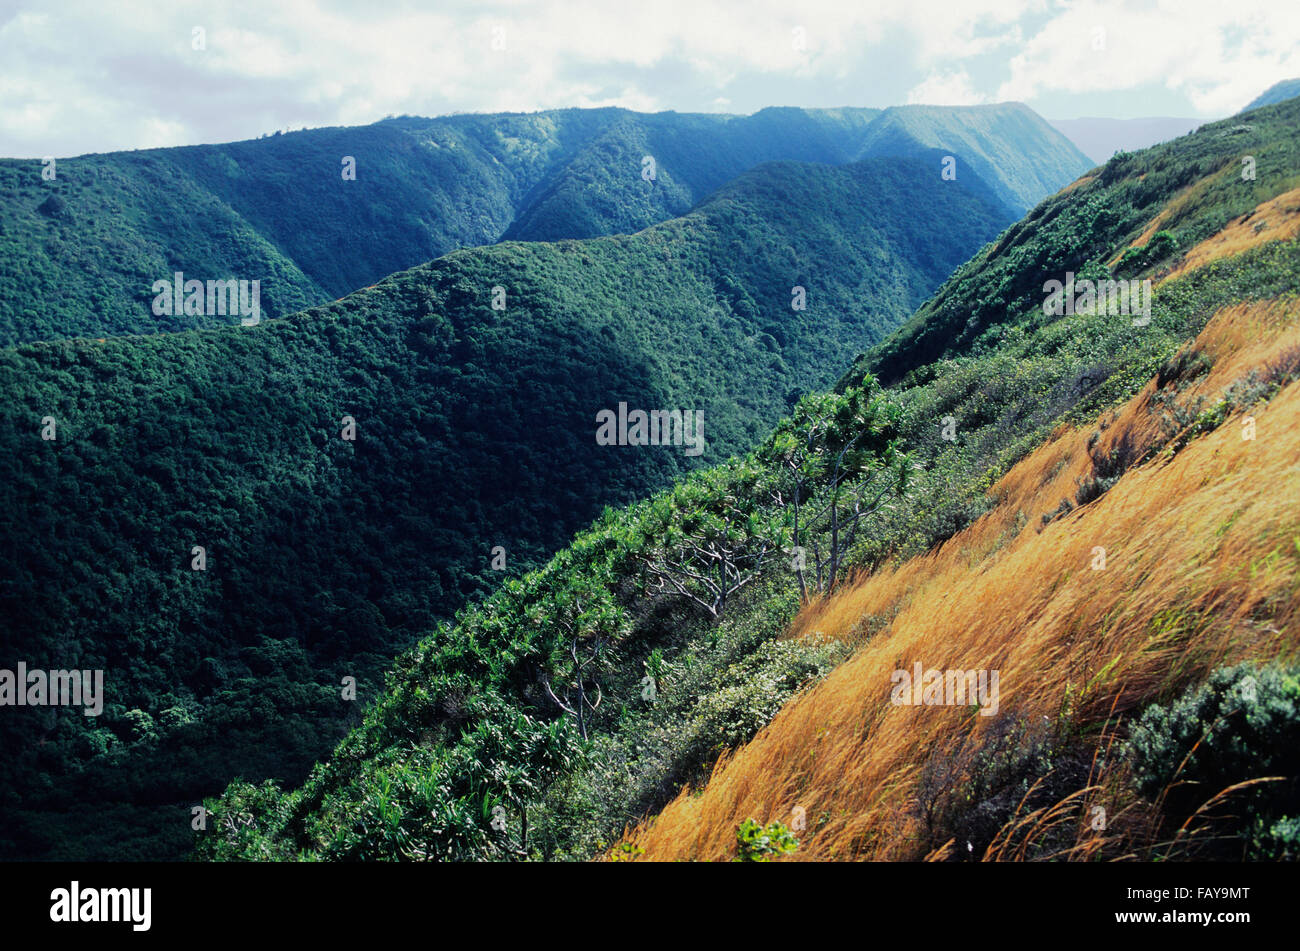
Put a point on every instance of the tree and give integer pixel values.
(838, 462)
(709, 536)
(587, 623)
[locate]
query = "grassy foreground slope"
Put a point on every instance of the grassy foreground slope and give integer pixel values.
(1188, 563)
(79, 253)
(1136, 583)
(474, 429)
(467, 755)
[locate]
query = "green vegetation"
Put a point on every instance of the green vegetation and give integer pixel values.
(1008, 146)
(426, 772)
(79, 254)
(426, 775)
(756, 843)
(1278, 92)
(997, 296)
(1240, 727)
(475, 428)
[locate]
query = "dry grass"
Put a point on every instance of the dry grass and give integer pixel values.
(1077, 183)
(1202, 568)
(1274, 220)
(1175, 207)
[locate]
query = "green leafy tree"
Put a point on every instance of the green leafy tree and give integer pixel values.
(587, 626)
(839, 463)
(710, 536)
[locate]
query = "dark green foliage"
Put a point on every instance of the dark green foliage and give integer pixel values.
(719, 685)
(839, 463)
(438, 740)
(1135, 260)
(1240, 725)
(968, 795)
(1276, 841)
(475, 428)
(79, 253)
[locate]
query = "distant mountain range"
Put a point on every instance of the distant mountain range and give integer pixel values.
(80, 253)
(1278, 92)
(1100, 138)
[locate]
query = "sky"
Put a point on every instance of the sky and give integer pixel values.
(81, 76)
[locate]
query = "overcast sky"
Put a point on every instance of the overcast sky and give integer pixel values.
(102, 75)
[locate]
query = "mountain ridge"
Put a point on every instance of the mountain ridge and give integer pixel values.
(279, 211)
(474, 430)
(712, 722)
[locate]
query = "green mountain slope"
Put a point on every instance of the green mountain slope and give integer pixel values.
(79, 254)
(589, 195)
(1007, 145)
(468, 755)
(1003, 286)
(1278, 92)
(475, 428)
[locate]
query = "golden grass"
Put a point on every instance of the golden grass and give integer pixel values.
(1175, 207)
(1275, 220)
(1078, 182)
(1239, 338)
(1202, 568)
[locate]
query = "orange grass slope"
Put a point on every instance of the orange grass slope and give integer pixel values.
(1177, 206)
(1277, 219)
(1201, 568)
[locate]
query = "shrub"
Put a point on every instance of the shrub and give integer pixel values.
(756, 843)
(749, 693)
(1279, 842)
(1242, 724)
(1136, 260)
(969, 792)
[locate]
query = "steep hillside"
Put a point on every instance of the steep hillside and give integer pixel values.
(80, 253)
(1198, 184)
(1124, 572)
(1008, 145)
(1188, 563)
(973, 497)
(475, 428)
(1278, 92)
(590, 195)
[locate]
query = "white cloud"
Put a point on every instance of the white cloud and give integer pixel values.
(1184, 46)
(88, 75)
(946, 89)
